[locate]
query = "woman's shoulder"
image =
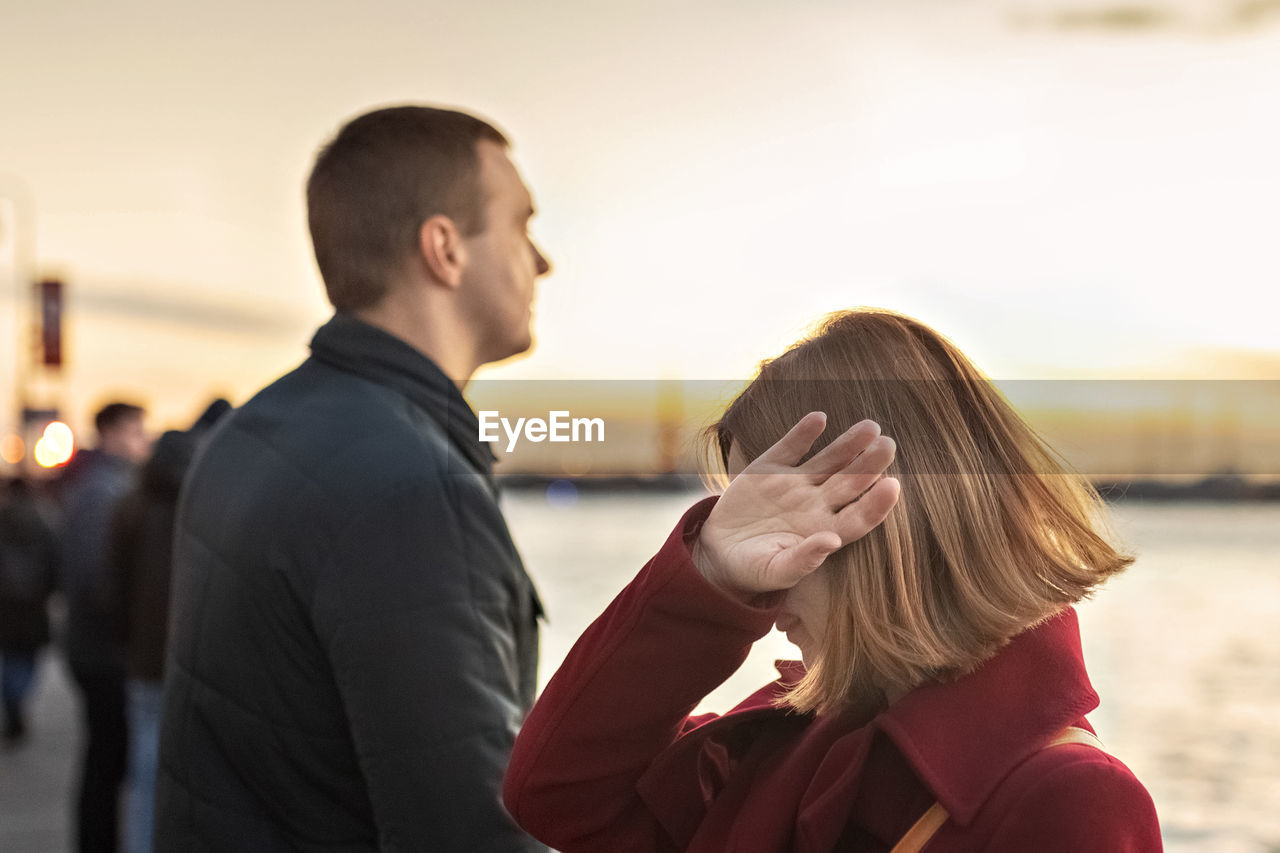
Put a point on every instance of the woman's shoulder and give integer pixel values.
(1070, 797)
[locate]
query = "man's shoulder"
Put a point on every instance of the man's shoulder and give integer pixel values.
(340, 432)
(99, 478)
(317, 391)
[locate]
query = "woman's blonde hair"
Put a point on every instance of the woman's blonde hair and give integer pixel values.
(990, 536)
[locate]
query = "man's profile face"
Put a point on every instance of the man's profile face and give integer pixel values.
(503, 264)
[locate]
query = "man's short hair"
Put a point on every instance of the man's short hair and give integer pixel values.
(377, 181)
(113, 415)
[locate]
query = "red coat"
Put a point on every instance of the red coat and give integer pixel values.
(610, 761)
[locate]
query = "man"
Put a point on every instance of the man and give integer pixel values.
(92, 485)
(140, 561)
(353, 640)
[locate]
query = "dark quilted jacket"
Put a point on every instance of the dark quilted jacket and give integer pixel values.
(354, 639)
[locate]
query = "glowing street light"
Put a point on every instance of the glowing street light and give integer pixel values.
(56, 446)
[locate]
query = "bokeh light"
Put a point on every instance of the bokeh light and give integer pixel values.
(12, 448)
(56, 446)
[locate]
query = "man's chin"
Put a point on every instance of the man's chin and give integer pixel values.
(525, 344)
(517, 350)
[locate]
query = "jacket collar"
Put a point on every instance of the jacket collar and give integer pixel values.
(960, 738)
(963, 737)
(354, 346)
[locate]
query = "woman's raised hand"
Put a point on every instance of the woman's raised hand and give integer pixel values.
(778, 520)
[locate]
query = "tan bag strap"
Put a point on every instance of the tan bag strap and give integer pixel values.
(931, 821)
(922, 830)
(1075, 734)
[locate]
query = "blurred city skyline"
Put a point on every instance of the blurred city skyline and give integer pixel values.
(1066, 190)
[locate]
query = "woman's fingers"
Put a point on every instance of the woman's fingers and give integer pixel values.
(796, 443)
(843, 488)
(859, 518)
(790, 565)
(739, 543)
(839, 453)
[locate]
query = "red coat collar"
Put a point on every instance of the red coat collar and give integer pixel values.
(960, 738)
(963, 737)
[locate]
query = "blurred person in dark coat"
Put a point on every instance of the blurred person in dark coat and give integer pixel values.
(353, 642)
(140, 558)
(28, 566)
(93, 484)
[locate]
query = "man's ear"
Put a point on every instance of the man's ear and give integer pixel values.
(441, 249)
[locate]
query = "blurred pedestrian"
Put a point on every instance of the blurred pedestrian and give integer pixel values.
(28, 565)
(140, 549)
(95, 481)
(353, 641)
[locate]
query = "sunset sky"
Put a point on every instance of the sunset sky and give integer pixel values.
(1062, 191)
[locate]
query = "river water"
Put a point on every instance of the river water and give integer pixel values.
(1184, 648)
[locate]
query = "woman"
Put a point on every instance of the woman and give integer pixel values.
(942, 694)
